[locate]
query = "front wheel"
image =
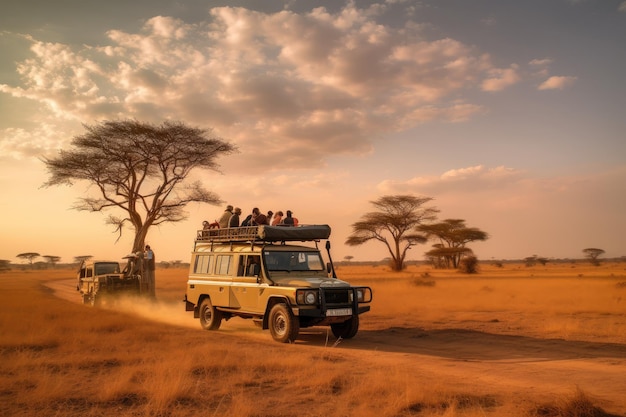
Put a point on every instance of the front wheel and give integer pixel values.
(210, 317)
(284, 327)
(93, 299)
(346, 330)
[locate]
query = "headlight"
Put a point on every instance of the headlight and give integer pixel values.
(306, 297)
(363, 295)
(309, 298)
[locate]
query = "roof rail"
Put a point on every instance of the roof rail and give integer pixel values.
(264, 233)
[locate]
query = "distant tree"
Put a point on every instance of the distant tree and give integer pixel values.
(29, 256)
(530, 260)
(394, 224)
(592, 254)
(5, 265)
(52, 259)
(451, 235)
(441, 256)
(140, 169)
(40, 265)
(348, 258)
(81, 258)
(542, 260)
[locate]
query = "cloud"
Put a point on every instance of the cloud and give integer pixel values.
(20, 143)
(499, 79)
(300, 86)
(460, 180)
(540, 67)
(540, 63)
(557, 83)
(622, 7)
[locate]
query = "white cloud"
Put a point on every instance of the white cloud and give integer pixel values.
(544, 62)
(304, 85)
(622, 7)
(19, 143)
(460, 180)
(557, 83)
(499, 79)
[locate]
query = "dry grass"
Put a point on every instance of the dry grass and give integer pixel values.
(59, 358)
(563, 301)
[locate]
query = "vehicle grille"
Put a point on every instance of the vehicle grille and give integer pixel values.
(337, 296)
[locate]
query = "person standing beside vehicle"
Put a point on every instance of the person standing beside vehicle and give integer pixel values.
(149, 267)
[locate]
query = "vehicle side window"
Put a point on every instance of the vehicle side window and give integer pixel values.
(249, 265)
(203, 263)
(222, 264)
(89, 273)
(82, 272)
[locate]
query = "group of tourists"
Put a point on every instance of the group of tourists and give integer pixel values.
(232, 218)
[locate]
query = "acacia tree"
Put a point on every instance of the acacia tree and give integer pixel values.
(5, 265)
(29, 256)
(592, 254)
(452, 236)
(140, 169)
(441, 256)
(394, 224)
(52, 259)
(81, 258)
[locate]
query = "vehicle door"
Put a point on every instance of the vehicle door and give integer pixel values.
(246, 287)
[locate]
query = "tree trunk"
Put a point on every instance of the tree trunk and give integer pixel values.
(140, 238)
(397, 264)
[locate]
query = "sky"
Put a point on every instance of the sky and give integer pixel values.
(509, 114)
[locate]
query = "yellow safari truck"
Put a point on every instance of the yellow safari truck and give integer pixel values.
(274, 275)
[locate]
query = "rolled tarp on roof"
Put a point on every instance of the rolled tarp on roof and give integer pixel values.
(297, 233)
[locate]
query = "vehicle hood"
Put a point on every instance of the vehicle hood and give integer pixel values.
(302, 282)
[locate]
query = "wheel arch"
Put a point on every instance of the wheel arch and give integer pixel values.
(196, 308)
(271, 302)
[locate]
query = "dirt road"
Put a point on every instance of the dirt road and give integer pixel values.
(459, 356)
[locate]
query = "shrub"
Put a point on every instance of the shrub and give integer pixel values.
(469, 265)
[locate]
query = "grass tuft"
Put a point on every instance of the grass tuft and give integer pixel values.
(578, 405)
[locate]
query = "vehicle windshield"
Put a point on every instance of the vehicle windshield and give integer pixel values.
(103, 268)
(293, 261)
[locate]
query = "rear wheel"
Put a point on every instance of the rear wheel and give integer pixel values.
(210, 317)
(346, 330)
(283, 325)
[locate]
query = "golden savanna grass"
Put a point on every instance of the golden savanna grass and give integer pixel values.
(136, 358)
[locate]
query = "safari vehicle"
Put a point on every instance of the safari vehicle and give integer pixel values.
(274, 275)
(98, 280)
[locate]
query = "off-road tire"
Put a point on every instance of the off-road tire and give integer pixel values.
(95, 300)
(346, 330)
(210, 317)
(283, 325)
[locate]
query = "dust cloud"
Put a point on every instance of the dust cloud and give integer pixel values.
(166, 312)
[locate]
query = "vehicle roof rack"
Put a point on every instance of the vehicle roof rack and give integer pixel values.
(264, 234)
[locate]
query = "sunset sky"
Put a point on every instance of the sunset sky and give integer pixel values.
(509, 114)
